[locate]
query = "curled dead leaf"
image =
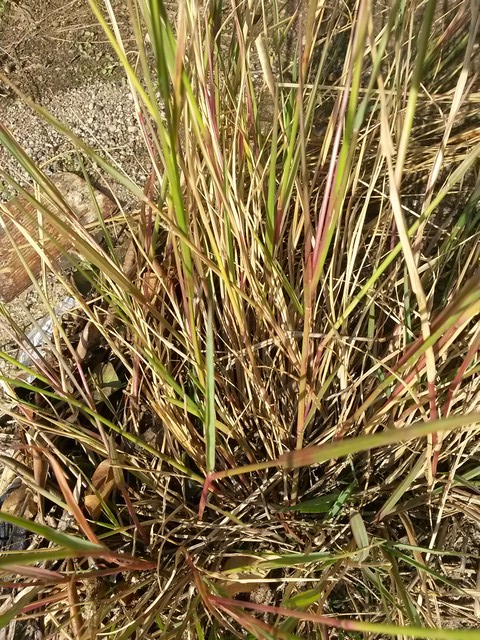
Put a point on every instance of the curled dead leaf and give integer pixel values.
(7, 477)
(103, 481)
(20, 502)
(151, 285)
(243, 581)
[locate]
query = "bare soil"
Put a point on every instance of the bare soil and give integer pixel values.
(49, 45)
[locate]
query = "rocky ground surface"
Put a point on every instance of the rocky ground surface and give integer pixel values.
(57, 54)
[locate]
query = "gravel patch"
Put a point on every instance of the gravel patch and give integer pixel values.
(101, 113)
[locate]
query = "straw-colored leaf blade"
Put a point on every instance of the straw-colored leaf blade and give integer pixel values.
(360, 536)
(210, 416)
(7, 616)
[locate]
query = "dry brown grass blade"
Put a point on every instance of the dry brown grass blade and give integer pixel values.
(75, 510)
(76, 621)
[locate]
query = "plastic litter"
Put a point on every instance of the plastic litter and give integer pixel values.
(42, 333)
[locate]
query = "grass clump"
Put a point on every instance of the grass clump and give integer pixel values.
(262, 421)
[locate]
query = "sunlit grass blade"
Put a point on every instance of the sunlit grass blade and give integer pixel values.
(210, 419)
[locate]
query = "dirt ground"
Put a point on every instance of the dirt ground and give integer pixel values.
(49, 45)
(57, 54)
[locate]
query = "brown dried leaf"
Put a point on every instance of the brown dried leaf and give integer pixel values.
(150, 285)
(20, 502)
(88, 339)
(238, 581)
(104, 482)
(7, 477)
(69, 498)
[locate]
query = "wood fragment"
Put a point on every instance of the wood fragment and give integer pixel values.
(14, 278)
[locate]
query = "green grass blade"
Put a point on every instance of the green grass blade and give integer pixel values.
(69, 542)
